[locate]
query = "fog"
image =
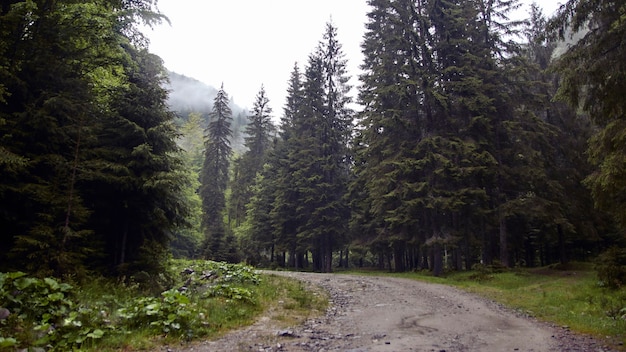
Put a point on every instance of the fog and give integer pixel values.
(189, 94)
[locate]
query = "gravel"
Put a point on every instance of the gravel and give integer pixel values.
(392, 314)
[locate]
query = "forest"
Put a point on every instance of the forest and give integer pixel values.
(477, 140)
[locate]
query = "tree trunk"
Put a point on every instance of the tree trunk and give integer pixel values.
(426, 261)
(504, 250)
(328, 254)
(122, 253)
(340, 265)
(486, 244)
(398, 257)
(437, 259)
(562, 255)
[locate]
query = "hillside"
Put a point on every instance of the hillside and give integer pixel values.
(187, 95)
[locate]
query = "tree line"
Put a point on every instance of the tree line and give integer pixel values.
(92, 176)
(469, 148)
(479, 140)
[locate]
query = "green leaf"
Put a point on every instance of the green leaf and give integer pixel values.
(24, 282)
(52, 283)
(152, 309)
(96, 334)
(7, 342)
(15, 275)
(57, 296)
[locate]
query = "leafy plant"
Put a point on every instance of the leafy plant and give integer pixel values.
(231, 292)
(42, 310)
(611, 267)
(170, 313)
(60, 317)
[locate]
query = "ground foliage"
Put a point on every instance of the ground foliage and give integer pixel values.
(60, 316)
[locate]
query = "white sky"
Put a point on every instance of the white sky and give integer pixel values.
(248, 43)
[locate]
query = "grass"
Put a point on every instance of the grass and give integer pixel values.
(569, 296)
(288, 300)
(292, 302)
(203, 300)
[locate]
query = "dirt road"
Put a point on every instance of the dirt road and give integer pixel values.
(392, 314)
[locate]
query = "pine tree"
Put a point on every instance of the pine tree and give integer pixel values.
(138, 177)
(56, 65)
(320, 153)
(285, 220)
(191, 140)
(214, 176)
(548, 221)
(451, 151)
(593, 78)
(259, 131)
(68, 69)
(399, 105)
(257, 233)
(257, 142)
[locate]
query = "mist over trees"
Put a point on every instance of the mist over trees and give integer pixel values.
(188, 95)
(477, 141)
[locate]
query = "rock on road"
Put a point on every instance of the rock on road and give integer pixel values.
(393, 314)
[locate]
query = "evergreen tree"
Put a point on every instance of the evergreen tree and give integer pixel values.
(70, 73)
(320, 153)
(554, 218)
(386, 127)
(138, 178)
(259, 131)
(257, 234)
(59, 60)
(186, 241)
(284, 219)
(451, 150)
(593, 78)
(257, 142)
(191, 140)
(488, 87)
(214, 176)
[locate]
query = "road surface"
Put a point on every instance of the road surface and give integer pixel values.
(392, 314)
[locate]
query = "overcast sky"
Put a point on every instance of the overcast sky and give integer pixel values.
(248, 43)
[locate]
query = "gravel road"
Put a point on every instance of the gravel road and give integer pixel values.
(393, 314)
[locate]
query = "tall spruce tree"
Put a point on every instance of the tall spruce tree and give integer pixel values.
(559, 218)
(45, 114)
(257, 141)
(320, 154)
(398, 96)
(214, 176)
(593, 78)
(68, 69)
(284, 220)
(450, 156)
(138, 182)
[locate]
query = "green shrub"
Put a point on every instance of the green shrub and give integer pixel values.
(58, 317)
(231, 292)
(42, 313)
(611, 268)
(170, 314)
(482, 272)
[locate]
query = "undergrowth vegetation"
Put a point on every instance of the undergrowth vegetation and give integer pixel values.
(202, 298)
